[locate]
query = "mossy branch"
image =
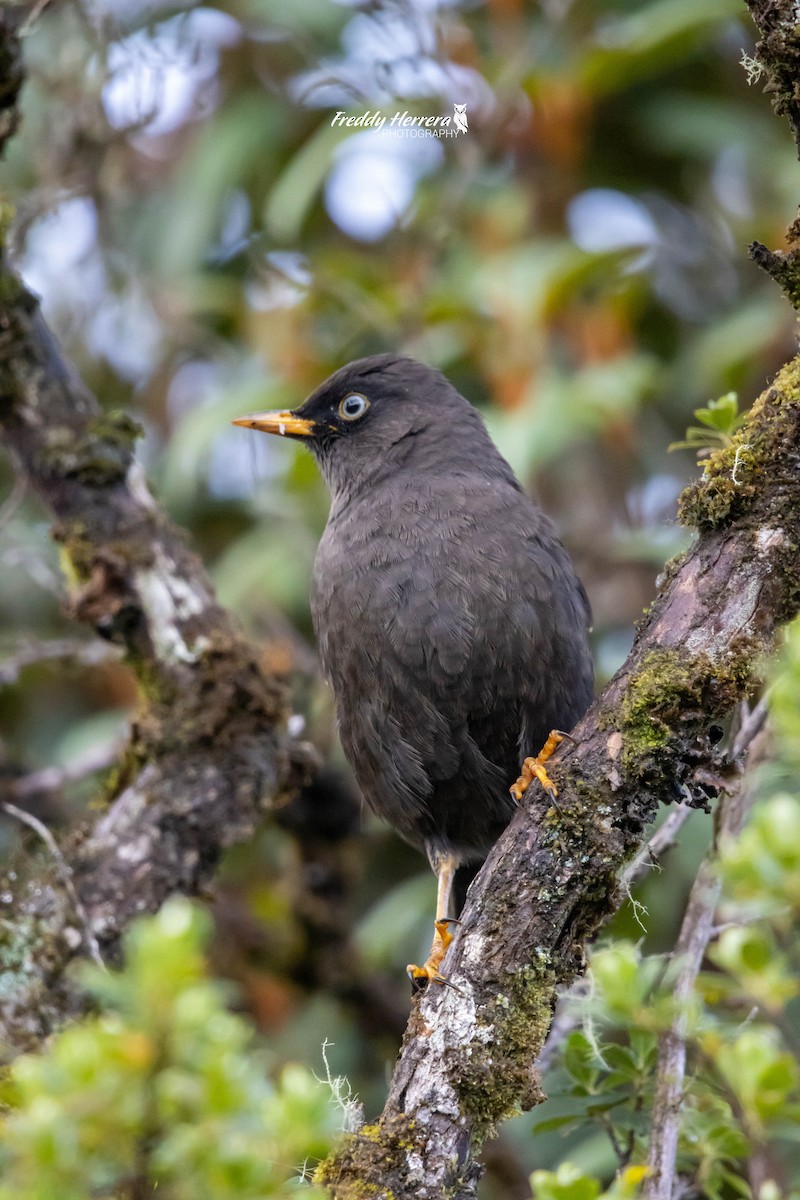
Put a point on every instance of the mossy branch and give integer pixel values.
(11, 71)
(468, 1057)
(778, 57)
(207, 753)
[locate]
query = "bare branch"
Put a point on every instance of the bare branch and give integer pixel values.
(697, 930)
(567, 1015)
(54, 779)
(778, 56)
(26, 818)
(208, 750)
(207, 754)
(13, 500)
(88, 654)
(651, 852)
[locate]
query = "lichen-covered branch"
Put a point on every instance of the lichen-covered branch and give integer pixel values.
(11, 72)
(778, 58)
(468, 1056)
(207, 754)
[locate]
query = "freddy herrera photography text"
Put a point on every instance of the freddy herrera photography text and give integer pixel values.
(405, 124)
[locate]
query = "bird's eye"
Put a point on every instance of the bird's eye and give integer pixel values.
(353, 406)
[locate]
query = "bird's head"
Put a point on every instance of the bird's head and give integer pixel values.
(379, 415)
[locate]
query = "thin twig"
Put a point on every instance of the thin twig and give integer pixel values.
(33, 16)
(53, 779)
(88, 654)
(751, 723)
(690, 947)
(696, 932)
(64, 871)
(568, 1016)
(13, 500)
(662, 840)
(34, 564)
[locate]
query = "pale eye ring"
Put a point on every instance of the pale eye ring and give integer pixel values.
(353, 406)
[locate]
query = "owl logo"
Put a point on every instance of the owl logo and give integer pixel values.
(460, 118)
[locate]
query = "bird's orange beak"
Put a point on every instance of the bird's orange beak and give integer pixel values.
(285, 424)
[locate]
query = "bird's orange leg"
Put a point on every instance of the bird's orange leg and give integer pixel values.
(429, 972)
(534, 768)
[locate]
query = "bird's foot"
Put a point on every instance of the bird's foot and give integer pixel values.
(534, 768)
(429, 972)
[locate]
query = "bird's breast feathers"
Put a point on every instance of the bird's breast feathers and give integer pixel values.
(419, 585)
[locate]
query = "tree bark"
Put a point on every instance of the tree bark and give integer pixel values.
(778, 58)
(208, 752)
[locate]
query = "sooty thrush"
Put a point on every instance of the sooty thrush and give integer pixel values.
(449, 619)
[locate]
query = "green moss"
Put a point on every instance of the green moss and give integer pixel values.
(98, 456)
(68, 568)
(357, 1189)
(499, 1079)
(787, 606)
(726, 488)
(668, 690)
(363, 1164)
(654, 698)
(17, 943)
(669, 570)
(123, 773)
(11, 289)
(12, 292)
(8, 215)
(33, 952)
(761, 451)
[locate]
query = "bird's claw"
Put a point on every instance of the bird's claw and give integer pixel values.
(534, 768)
(429, 971)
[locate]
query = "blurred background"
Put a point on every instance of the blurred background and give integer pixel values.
(206, 243)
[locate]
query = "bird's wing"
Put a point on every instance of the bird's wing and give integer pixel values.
(446, 655)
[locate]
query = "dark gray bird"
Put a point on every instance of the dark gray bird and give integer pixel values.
(450, 622)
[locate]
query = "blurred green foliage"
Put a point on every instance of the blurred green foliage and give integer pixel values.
(206, 243)
(162, 1091)
(570, 1183)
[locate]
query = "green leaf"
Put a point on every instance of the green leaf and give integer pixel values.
(567, 1183)
(722, 414)
(580, 1059)
(555, 1123)
(295, 189)
(637, 45)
